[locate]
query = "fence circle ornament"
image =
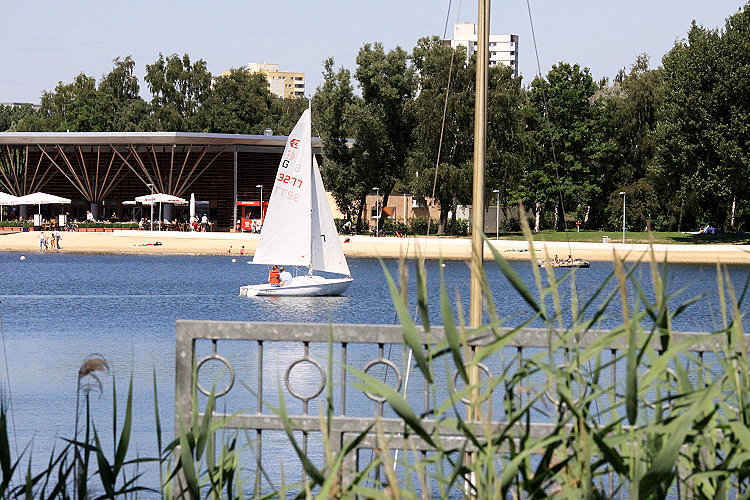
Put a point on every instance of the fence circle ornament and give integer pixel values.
(320, 371)
(229, 368)
(388, 364)
(482, 367)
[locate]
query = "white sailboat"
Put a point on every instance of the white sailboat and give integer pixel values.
(298, 229)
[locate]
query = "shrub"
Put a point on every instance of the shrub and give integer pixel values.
(393, 226)
(10, 223)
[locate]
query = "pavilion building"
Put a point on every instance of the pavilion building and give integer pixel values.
(101, 171)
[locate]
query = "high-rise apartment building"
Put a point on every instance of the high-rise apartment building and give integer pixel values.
(503, 48)
(281, 83)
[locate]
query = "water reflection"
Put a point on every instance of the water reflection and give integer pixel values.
(299, 309)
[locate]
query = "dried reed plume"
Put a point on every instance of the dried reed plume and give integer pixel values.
(88, 380)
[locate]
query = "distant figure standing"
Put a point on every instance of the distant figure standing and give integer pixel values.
(204, 223)
(42, 241)
(229, 252)
(242, 251)
(89, 216)
(58, 238)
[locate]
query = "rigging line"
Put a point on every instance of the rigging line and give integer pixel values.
(445, 112)
(7, 378)
(549, 126)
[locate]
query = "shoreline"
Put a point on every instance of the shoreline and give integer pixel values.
(189, 243)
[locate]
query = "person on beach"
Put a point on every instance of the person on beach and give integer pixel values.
(51, 241)
(58, 238)
(285, 276)
(242, 251)
(204, 223)
(42, 241)
(229, 252)
(273, 276)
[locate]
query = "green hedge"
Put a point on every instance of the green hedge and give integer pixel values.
(11, 223)
(417, 226)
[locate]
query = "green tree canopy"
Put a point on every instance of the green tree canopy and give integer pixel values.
(178, 88)
(238, 103)
(442, 71)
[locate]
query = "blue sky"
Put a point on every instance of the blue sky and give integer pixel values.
(43, 42)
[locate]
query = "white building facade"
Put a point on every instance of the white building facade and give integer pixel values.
(503, 48)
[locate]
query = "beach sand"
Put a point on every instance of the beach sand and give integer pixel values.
(142, 242)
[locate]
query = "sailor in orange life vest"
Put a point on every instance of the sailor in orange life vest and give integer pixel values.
(273, 276)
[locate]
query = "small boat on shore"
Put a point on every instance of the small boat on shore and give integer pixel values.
(564, 263)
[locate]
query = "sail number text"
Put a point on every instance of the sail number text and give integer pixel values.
(288, 179)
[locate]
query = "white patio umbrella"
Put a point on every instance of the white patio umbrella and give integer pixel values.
(40, 199)
(7, 199)
(160, 198)
(192, 206)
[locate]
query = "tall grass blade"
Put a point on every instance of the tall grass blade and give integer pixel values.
(396, 401)
(451, 332)
(411, 336)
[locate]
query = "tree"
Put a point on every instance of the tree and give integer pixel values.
(629, 118)
(687, 170)
(448, 148)
(285, 113)
(75, 107)
(238, 103)
(178, 88)
(566, 172)
(10, 116)
(381, 121)
(119, 91)
(81, 106)
(507, 136)
(331, 103)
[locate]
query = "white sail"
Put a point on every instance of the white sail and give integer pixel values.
(326, 245)
(287, 229)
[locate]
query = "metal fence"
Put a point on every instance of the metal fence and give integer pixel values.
(252, 366)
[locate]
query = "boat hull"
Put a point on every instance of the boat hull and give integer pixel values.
(578, 263)
(300, 286)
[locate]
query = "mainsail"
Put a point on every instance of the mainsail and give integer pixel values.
(299, 229)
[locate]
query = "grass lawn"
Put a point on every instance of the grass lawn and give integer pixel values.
(630, 237)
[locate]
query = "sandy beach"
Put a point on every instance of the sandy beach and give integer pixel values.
(143, 242)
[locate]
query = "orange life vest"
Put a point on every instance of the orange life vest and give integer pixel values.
(273, 277)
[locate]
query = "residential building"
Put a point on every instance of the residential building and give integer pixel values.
(281, 83)
(503, 48)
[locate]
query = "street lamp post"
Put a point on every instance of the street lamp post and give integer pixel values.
(497, 214)
(377, 211)
(261, 202)
(622, 193)
(151, 186)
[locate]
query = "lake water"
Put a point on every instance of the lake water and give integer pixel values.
(55, 309)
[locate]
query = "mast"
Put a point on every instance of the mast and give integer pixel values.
(312, 189)
(480, 151)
